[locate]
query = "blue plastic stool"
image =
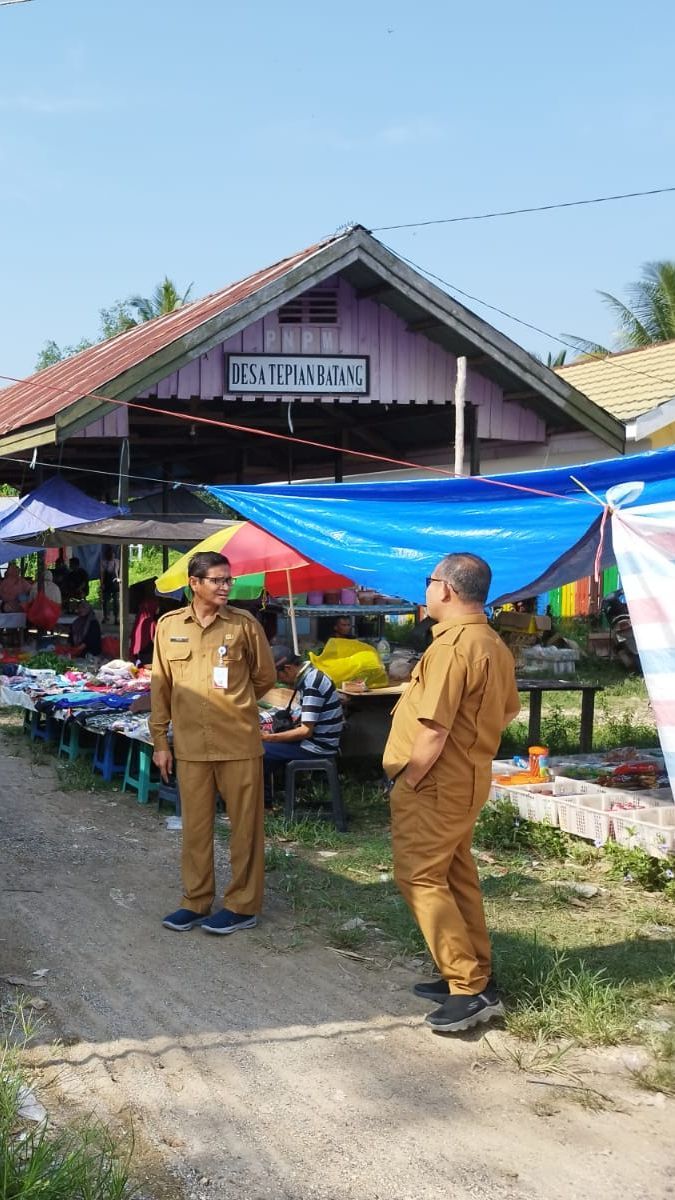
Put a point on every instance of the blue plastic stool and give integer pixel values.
(170, 792)
(104, 759)
(69, 742)
(40, 727)
(138, 771)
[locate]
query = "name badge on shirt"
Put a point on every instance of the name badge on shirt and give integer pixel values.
(220, 675)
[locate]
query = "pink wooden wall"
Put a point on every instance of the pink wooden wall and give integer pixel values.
(405, 367)
(113, 425)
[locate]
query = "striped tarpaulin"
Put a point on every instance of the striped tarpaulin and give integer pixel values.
(644, 544)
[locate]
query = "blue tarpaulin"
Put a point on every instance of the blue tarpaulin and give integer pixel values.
(55, 504)
(389, 536)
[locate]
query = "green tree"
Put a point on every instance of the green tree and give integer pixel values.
(165, 299)
(120, 317)
(649, 315)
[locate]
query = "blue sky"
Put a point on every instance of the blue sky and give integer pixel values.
(206, 138)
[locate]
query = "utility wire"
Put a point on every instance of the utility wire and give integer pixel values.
(516, 212)
(610, 359)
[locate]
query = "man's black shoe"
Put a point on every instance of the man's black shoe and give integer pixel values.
(458, 1013)
(437, 989)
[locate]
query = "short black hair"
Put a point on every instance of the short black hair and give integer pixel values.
(468, 574)
(200, 563)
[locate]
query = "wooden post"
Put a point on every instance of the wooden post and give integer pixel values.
(460, 399)
(165, 509)
(122, 498)
(474, 444)
(291, 613)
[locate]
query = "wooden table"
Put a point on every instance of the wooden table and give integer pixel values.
(536, 689)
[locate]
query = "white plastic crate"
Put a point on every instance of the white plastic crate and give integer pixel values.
(565, 786)
(652, 830)
(536, 802)
(587, 816)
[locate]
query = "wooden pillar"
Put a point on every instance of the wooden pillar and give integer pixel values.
(122, 499)
(165, 508)
(474, 443)
(460, 400)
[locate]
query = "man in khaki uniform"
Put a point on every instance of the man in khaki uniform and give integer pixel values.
(445, 732)
(210, 664)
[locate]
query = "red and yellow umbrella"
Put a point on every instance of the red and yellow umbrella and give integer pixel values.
(259, 561)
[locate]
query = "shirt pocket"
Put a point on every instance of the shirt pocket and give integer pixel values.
(178, 656)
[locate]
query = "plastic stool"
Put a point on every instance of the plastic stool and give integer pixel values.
(171, 793)
(104, 756)
(40, 727)
(329, 767)
(69, 742)
(137, 773)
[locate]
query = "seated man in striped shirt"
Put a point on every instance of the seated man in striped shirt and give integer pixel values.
(321, 721)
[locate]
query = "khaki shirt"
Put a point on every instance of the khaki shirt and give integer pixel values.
(465, 682)
(209, 723)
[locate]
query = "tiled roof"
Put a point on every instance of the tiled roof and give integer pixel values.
(49, 392)
(627, 384)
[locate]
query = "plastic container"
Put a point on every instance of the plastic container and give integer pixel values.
(653, 830)
(347, 596)
(315, 598)
(539, 762)
(587, 816)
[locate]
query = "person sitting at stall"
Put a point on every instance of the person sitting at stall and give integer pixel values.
(342, 627)
(84, 634)
(60, 571)
(12, 587)
(49, 588)
(143, 632)
(76, 584)
(317, 734)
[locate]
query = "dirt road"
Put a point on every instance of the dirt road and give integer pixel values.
(268, 1072)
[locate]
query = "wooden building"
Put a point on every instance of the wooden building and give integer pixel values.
(342, 344)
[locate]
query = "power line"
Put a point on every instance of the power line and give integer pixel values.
(608, 358)
(516, 212)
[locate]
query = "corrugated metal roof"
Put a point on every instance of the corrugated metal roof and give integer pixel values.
(48, 392)
(626, 384)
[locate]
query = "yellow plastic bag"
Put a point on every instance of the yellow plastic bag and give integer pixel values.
(344, 659)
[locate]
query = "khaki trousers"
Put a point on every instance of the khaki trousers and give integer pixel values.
(432, 831)
(240, 783)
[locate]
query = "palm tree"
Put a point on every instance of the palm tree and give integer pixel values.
(648, 318)
(164, 299)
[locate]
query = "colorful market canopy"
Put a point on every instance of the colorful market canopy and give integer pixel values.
(55, 504)
(389, 536)
(258, 559)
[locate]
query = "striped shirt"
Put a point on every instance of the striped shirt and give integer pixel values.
(321, 708)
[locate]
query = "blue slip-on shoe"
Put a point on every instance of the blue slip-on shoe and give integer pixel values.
(182, 919)
(226, 921)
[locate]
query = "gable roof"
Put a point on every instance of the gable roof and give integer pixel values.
(58, 402)
(627, 384)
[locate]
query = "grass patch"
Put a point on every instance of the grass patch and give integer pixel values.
(587, 970)
(81, 1162)
(659, 1074)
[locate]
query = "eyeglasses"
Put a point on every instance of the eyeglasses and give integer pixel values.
(434, 579)
(219, 580)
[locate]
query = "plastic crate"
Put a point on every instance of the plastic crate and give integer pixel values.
(653, 830)
(536, 803)
(564, 786)
(586, 816)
